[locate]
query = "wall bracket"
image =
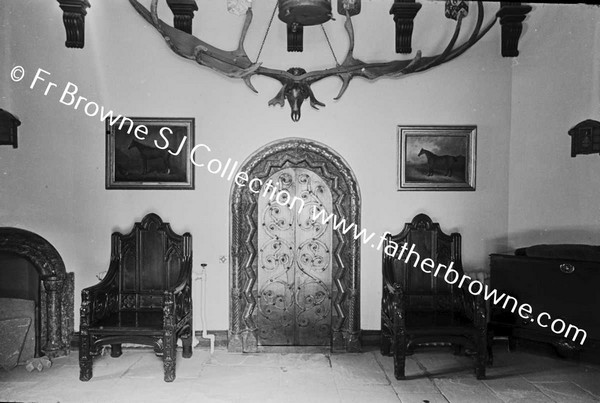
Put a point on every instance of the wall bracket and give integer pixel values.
(512, 15)
(183, 14)
(404, 12)
(74, 12)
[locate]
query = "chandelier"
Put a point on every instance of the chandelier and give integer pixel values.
(296, 14)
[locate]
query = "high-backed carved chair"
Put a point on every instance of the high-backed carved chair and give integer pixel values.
(419, 307)
(145, 297)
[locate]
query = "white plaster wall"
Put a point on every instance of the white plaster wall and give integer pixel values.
(553, 197)
(53, 184)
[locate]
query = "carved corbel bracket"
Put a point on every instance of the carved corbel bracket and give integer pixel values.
(404, 12)
(183, 14)
(512, 15)
(74, 12)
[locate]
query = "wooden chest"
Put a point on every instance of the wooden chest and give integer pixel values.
(567, 290)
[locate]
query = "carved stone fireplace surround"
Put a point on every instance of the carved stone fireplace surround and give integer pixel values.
(56, 288)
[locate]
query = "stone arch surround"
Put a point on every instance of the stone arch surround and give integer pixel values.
(319, 158)
(56, 288)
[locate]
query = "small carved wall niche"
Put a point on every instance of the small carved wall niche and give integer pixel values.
(8, 128)
(585, 138)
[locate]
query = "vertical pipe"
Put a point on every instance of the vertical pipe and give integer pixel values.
(201, 277)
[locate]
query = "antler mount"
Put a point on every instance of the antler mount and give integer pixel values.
(296, 82)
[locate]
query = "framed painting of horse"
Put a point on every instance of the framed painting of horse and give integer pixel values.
(149, 153)
(436, 157)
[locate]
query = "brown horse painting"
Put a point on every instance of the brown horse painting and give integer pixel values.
(150, 153)
(445, 162)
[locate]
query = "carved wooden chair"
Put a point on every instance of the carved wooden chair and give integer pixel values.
(419, 308)
(145, 297)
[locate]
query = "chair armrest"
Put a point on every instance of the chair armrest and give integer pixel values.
(177, 301)
(474, 306)
(480, 312)
(106, 284)
(389, 283)
(185, 278)
(392, 288)
(100, 299)
(395, 298)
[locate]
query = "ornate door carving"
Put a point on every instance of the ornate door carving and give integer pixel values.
(294, 261)
(327, 167)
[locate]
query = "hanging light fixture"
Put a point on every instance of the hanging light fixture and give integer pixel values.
(300, 13)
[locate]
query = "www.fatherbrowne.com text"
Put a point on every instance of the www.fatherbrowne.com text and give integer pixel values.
(407, 254)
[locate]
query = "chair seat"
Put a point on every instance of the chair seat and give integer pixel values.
(440, 320)
(441, 331)
(126, 321)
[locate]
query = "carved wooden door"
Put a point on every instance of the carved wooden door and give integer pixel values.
(294, 260)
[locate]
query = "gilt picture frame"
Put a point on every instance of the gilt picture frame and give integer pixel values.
(437, 157)
(149, 153)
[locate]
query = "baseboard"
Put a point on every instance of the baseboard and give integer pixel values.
(371, 338)
(368, 338)
(220, 338)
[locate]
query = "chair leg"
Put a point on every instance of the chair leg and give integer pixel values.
(115, 350)
(513, 344)
(386, 339)
(490, 351)
(480, 371)
(385, 345)
(481, 356)
(169, 358)
(399, 356)
(186, 341)
(85, 358)
(159, 349)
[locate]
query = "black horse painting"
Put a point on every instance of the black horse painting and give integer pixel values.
(436, 157)
(158, 160)
(148, 153)
(445, 163)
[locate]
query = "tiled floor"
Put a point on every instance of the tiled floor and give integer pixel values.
(434, 376)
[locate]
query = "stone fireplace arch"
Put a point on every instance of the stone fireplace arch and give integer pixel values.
(56, 288)
(333, 169)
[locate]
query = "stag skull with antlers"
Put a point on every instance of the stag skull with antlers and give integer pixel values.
(296, 81)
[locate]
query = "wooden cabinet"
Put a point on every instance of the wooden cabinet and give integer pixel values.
(567, 290)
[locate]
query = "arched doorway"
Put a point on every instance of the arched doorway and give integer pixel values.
(292, 280)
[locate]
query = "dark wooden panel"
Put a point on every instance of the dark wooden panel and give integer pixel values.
(152, 261)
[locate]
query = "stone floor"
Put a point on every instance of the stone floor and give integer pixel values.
(433, 376)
